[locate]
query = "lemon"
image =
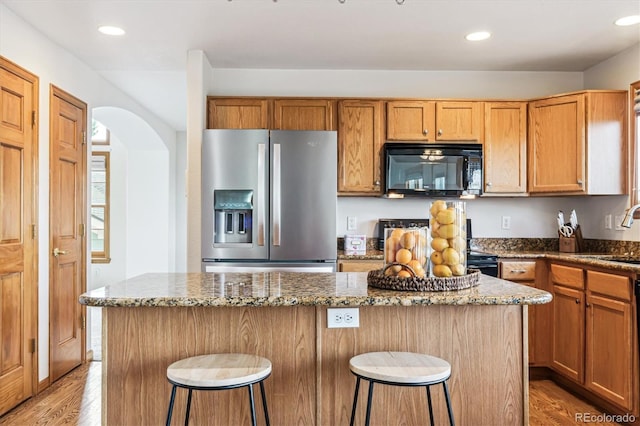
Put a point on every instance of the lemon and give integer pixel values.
(403, 256)
(436, 206)
(404, 274)
(436, 258)
(457, 269)
(439, 244)
(449, 231)
(446, 217)
(442, 271)
(408, 240)
(458, 243)
(450, 256)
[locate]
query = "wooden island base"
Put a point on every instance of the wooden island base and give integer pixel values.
(311, 383)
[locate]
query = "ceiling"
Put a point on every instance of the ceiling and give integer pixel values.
(149, 62)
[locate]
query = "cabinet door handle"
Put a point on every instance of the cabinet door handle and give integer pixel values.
(377, 183)
(488, 184)
(587, 304)
(580, 182)
(425, 132)
(518, 271)
(577, 301)
(439, 132)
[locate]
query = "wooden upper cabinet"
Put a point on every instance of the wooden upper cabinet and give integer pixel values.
(459, 121)
(411, 121)
(303, 114)
(233, 113)
(360, 139)
(431, 121)
(505, 147)
(577, 144)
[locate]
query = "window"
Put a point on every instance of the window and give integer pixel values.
(634, 93)
(99, 197)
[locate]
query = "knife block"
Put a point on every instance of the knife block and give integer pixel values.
(572, 244)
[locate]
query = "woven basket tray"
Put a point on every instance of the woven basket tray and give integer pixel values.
(378, 279)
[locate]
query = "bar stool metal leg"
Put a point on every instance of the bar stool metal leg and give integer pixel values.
(264, 403)
(430, 406)
(448, 399)
(355, 402)
(173, 397)
(186, 416)
(369, 399)
(253, 408)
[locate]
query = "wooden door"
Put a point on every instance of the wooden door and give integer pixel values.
(557, 145)
(505, 148)
(459, 121)
(609, 351)
(66, 222)
(238, 113)
(303, 114)
(360, 140)
(568, 332)
(411, 121)
(18, 258)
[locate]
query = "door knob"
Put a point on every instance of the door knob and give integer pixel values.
(57, 251)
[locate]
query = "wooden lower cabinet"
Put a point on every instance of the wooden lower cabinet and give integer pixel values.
(568, 332)
(310, 383)
(359, 265)
(609, 335)
(594, 344)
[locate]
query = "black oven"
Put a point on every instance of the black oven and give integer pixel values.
(487, 263)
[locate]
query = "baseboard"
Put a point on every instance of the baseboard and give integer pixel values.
(89, 355)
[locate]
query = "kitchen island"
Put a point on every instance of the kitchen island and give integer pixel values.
(153, 320)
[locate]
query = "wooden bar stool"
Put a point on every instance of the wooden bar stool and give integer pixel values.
(219, 372)
(400, 369)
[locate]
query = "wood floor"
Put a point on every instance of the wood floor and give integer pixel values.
(75, 400)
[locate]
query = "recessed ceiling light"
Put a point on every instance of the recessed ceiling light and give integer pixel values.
(477, 36)
(111, 30)
(628, 20)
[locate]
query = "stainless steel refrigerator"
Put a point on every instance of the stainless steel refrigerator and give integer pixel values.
(269, 200)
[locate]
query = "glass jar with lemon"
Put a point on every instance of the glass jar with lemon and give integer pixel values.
(448, 224)
(406, 252)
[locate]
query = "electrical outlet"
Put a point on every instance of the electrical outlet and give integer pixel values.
(343, 317)
(352, 223)
(506, 222)
(608, 222)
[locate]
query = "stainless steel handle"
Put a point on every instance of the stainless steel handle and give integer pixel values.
(277, 216)
(57, 252)
(439, 132)
(518, 271)
(262, 190)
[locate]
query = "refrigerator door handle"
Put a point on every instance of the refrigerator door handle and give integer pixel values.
(276, 194)
(262, 189)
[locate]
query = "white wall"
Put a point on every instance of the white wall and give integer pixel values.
(25, 46)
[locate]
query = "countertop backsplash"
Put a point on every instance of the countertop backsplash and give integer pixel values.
(630, 248)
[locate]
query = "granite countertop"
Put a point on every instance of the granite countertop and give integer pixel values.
(291, 288)
(602, 260)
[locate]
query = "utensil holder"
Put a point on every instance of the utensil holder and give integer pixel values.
(572, 244)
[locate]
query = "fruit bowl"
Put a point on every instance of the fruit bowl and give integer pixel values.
(378, 279)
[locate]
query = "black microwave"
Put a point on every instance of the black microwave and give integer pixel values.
(438, 170)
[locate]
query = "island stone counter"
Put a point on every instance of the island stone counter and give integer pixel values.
(153, 320)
